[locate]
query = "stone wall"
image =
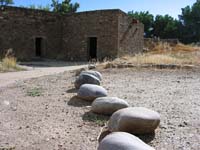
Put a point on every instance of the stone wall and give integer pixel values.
(19, 27)
(148, 41)
(77, 28)
(66, 36)
(131, 33)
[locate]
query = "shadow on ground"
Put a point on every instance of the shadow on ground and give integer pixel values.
(50, 63)
(73, 90)
(147, 138)
(77, 102)
(100, 120)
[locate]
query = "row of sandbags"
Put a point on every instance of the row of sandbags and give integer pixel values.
(124, 121)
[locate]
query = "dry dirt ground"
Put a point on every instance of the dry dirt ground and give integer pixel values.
(43, 114)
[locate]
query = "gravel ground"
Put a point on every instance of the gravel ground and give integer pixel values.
(43, 113)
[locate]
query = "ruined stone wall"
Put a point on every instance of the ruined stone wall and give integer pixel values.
(131, 34)
(19, 27)
(78, 27)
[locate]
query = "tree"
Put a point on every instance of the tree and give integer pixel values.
(64, 7)
(146, 18)
(40, 7)
(166, 27)
(190, 19)
(6, 2)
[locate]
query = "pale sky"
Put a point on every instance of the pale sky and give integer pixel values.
(171, 7)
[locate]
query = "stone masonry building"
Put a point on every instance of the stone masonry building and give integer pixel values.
(74, 37)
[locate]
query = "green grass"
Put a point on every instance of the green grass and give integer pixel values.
(100, 120)
(34, 92)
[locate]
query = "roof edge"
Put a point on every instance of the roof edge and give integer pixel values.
(43, 11)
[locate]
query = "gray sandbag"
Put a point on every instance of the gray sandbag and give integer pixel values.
(108, 105)
(135, 120)
(123, 141)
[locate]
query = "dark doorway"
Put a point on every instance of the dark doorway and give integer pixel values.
(92, 48)
(38, 47)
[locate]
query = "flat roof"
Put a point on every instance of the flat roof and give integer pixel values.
(50, 12)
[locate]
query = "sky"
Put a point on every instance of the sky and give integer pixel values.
(171, 7)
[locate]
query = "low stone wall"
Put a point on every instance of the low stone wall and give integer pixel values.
(157, 40)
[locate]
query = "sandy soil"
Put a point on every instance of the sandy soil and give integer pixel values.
(57, 120)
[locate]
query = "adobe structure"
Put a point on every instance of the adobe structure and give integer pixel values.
(74, 37)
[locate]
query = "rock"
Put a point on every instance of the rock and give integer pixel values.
(108, 105)
(91, 66)
(94, 73)
(78, 71)
(90, 92)
(123, 141)
(86, 79)
(135, 120)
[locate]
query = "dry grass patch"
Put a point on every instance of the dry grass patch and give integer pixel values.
(9, 64)
(163, 48)
(156, 59)
(160, 54)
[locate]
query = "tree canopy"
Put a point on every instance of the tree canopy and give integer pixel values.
(62, 7)
(6, 2)
(190, 19)
(146, 18)
(186, 28)
(165, 27)
(65, 6)
(40, 7)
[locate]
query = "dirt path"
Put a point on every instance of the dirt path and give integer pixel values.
(37, 69)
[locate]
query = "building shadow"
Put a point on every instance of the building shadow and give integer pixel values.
(147, 138)
(77, 102)
(98, 119)
(50, 63)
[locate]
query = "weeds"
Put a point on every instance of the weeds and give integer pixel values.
(100, 120)
(9, 64)
(35, 92)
